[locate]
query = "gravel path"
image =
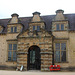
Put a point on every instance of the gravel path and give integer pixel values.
(4, 72)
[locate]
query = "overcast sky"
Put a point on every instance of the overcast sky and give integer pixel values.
(26, 7)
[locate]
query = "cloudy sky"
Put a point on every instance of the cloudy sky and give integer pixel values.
(26, 7)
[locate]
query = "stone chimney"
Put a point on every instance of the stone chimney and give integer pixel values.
(15, 15)
(36, 17)
(59, 15)
(14, 18)
(59, 11)
(36, 13)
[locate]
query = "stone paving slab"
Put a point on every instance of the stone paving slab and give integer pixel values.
(5, 72)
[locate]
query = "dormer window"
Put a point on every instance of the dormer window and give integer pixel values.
(57, 27)
(13, 29)
(33, 28)
(60, 27)
(60, 22)
(36, 28)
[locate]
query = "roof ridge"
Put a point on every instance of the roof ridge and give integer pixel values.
(40, 16)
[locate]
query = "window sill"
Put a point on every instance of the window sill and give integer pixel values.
(59, 30)
(62, 62)
(36, 30)
(12, 32)
(10, 61)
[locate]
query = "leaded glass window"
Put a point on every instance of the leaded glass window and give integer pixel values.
(14, 46)
(57, 56)
(10, 46)
(33, 27)
(60, 52)
(62, 27)
(14, 56)
(9, 55)
(63, 46)
(12, 52)
(57, 27)
(15, 29)
(11, 29)
(57, 46)
(38, 28)
(63, 56)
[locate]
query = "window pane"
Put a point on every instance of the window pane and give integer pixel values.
(63, 55)
(11, 29)
(57, 56)
(33, 59)
(63, 46)
(32, 56)
(15, 29)
(57, 27)
(57, 46)
(62, 27)
(33, 27)
(9, 55)
(14, 56)
(38, 28)
(10, 46)
(14, 46)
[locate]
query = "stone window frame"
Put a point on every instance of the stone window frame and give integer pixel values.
(60, 28)
(60, 53)
(13, 31)
(11, 42)
(36, 27)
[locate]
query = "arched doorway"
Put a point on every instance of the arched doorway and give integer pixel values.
(33, 58)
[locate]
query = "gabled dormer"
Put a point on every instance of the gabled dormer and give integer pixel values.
(13, 25)
(60, 22)
(1, 28)
(36, 22)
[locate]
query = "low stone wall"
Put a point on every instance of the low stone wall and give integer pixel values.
(4, 67)
(68, 69)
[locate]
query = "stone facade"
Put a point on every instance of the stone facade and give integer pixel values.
(45, 40)
(42, 41)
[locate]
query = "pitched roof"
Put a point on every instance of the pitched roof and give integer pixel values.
(71, 19)
(47, 19)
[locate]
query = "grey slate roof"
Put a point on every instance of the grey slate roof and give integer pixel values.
(47, 19)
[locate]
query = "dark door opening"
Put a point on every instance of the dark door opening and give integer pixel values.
(33, 60)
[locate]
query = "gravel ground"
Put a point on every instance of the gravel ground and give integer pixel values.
(5, 72)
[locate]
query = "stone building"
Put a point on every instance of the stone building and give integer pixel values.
(37, 42)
